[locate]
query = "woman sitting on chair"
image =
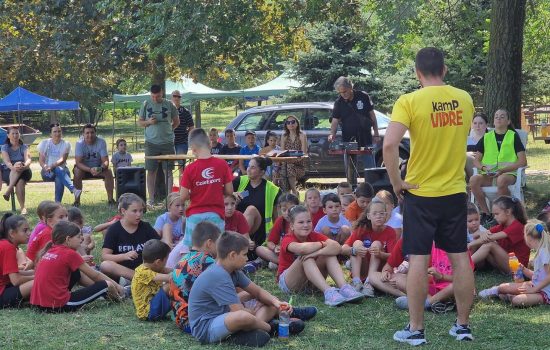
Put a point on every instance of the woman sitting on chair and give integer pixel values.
(16, 171)
(500, 154)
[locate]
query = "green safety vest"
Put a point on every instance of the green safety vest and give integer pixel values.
(271, 191)
(495, 159)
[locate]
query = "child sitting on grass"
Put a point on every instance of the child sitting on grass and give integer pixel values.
(363, 196)
(15, 284)
(280, 228)
(307, 256)
(536, 291)
(234, 219)
(334, 224)
(369, 245)
(88, 244)
(149, 285)
(53, 213)
(343, 189)
(474, 223)
(215, 310)
(346, 200)
(60, 268)
(395, 219)
(123, 245)
(41, 219)
(313, 204)
(170, 225)
(191, 265)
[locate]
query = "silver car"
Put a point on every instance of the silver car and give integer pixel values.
(315, 119)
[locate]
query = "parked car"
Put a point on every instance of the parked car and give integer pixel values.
(315, 120)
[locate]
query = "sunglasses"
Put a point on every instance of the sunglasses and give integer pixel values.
(176, 96)
(290, 122)
(52, 125)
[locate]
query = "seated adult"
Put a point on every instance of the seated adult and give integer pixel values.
(53, 153)
(499, 154)
(92, 161)
(257, 199)
(16, 171)
(477, 131)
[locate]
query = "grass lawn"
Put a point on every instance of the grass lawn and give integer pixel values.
(369, 325)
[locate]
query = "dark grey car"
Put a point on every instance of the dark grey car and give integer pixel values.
(315, 119)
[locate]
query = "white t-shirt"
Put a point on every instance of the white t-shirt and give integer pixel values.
(52, 151)
(539, 274)
(334, 227)
(396, 219)
(471, 234)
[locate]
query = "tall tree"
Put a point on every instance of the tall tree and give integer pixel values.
(504, 62)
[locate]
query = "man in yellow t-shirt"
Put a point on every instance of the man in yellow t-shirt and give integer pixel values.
(438, 118)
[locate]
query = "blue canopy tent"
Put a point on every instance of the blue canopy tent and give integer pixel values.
(22, 100)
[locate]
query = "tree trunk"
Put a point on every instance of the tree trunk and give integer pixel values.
(503, 77)
(198, 117)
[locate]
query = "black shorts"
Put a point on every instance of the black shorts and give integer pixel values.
(88, 175)
(11, 297)
(434, 219)
(26, 175)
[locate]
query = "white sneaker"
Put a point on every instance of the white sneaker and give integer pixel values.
(368, 290)
(488, 293)
(272, 266)
(77, 194)
(347, 264)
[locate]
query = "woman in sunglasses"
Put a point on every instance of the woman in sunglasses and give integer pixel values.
(293, 139)
(53, 153)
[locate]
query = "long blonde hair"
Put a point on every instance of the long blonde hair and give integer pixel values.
(537, 229)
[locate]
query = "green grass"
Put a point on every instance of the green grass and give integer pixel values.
(103, 325)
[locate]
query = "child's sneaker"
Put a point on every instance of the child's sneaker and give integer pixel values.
(368, 290)
(413, 338)
(304, 313)
(347, 264)
(488, 293)
(249, 268)
(461, 332)
(403, 303)
(272, 266)
(358, 286)
(350, 293)
(127, 292)
(333, 297)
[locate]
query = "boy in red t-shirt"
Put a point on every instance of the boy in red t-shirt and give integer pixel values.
(204, 182)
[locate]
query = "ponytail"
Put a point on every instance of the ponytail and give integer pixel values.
(60, 232)
(538, 230)
(3, 228)
(10, 222)
(514, 204)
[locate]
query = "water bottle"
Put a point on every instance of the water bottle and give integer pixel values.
(519, 277)
(284, 322)
(367, 243)
(513, 263)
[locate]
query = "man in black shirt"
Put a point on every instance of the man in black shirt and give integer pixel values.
(354, 110)
(181, 133)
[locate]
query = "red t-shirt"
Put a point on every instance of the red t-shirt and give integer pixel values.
(315, 217)
(237, 223)
(387, 237)
(396, 256)
(39, 241)
(8, 263)
(52, 277)
(205, 180)
(515, 242)
(286, 258)
(279, 230)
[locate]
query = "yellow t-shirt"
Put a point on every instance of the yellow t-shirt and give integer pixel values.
(438, 119)
(143, 290)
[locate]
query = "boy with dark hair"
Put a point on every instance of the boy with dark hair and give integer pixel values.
(149, 288)
(215, 310)
(363, 196)
(438, 118)
(231, 148)
(121, 158)
(190, 266)
(334, 224)
(204, 182)
(474, 223)
(343, 189)
(250, 148)
(215, 146)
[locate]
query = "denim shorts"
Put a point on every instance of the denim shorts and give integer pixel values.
(282, 283)
(217, 331)
(194, 219)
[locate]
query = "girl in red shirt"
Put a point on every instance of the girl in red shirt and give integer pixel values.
(313, 204)
(369, 245)
(61, 267)
(280, 228)
(506, 237)
(308, 256)
(15, 285)
(53, 213)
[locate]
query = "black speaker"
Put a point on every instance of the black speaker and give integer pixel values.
(379, 180)
(131, 180)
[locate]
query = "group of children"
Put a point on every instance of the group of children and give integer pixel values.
(191, 261)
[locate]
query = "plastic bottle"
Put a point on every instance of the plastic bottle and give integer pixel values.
(519, 276)
(513, 263)
(284, 322)
(367, 243)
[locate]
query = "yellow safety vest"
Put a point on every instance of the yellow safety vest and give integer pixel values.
(495, 159)
(271, 191)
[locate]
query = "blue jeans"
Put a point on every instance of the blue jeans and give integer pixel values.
(62, 178)
(181, 148)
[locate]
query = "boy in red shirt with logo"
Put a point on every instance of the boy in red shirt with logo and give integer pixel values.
(204, 182)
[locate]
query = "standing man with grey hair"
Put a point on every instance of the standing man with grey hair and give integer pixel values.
(159, 117)
(354, 110)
